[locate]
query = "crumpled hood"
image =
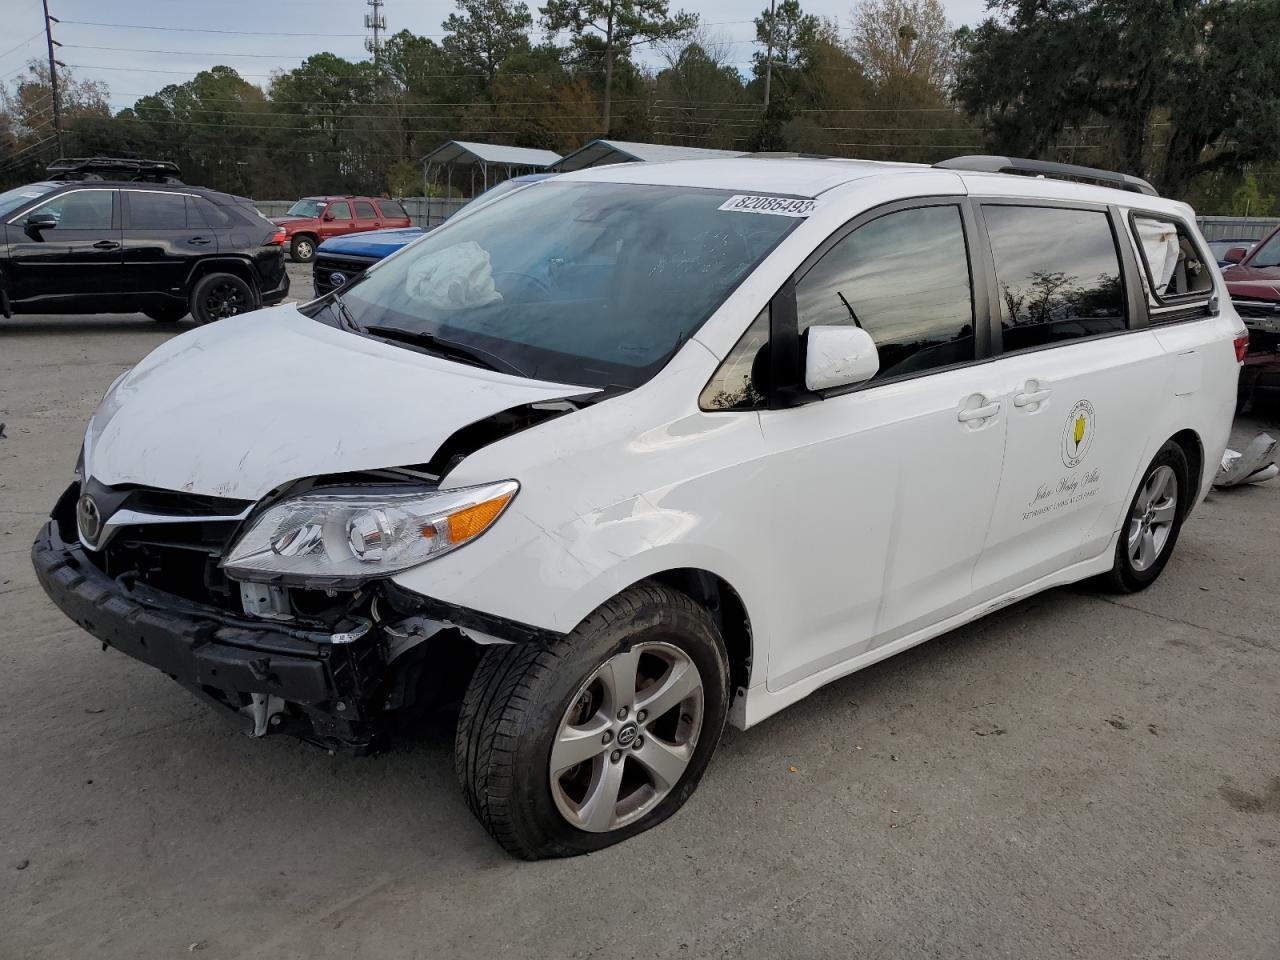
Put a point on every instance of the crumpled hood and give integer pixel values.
(1254, 289)
(243, 405)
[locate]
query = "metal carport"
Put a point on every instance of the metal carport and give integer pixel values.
(600, 152)
(485, 157)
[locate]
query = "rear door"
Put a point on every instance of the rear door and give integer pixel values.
(393, 214)
(164, 235)
(1079, 379)
(77, 259)
(367, 216)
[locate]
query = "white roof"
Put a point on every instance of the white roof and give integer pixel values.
(793, 176)
(599, 152)
(804, 177)
(466, 152)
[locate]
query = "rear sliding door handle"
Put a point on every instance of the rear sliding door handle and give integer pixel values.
(1033, 394)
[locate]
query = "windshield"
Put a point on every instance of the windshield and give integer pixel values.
(307, 208)
(11, 200)
(587, 283)
(493, 193)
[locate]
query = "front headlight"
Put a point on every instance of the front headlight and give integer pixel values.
(360, 535)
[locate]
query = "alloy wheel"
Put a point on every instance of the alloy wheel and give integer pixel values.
(1151, 520)
(627, 737)
(225, 300)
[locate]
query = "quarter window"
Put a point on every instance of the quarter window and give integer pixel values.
(1175, 269)
(1057, 274)
(340, 210)
(157, 211)
(736, 385)
(904, 278)
(365, 211)
(392, 210)
(80, 210)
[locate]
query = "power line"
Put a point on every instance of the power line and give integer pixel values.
(194, 53)
(38, 33)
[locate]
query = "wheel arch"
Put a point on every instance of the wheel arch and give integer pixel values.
(233, 265)
(718, 597)
(1193, 450)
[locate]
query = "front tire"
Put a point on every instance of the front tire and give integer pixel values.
(555, 750)
(1153, 522)
(302, 249)
(221, 295)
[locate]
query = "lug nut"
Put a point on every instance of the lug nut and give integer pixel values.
(640, 716)
(608, 736)
(638, 744)
(622, 714)
(615, 756)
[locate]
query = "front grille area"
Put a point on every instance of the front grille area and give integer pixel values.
(327, 264)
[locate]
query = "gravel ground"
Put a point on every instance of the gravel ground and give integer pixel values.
(1075, 776)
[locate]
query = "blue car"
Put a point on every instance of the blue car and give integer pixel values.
(340, 260)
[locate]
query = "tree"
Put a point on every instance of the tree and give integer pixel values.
(613, 26)
(27, 140)
(699, 97)
(486, 33)
(897, 40)
(1172, 89)
(794, 34)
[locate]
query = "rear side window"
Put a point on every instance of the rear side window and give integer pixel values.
(340, 210)
(202, 212)
(1057, 274)
(904, 278)
(392, 210)
(365, 211)
(157, 211)
(1172, 261)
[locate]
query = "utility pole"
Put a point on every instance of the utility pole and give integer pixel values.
(49, 21)
(376, 22)
(768, 59)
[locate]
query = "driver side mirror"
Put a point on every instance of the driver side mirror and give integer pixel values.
(839, 357)
(326, 216)
(37, 222)
(1235, 254)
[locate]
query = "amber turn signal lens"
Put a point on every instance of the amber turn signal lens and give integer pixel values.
(473, 521)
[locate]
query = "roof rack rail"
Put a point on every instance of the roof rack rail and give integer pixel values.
(114, 168)
(1047, 168)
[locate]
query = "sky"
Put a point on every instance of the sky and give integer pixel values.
(146, 59)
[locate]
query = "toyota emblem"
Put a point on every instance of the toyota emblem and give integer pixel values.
(88, 519)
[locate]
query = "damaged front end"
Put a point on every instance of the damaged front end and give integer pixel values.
(327, 660)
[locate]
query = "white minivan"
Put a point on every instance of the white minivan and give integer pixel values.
(647, 448)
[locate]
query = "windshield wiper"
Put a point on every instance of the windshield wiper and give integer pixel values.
(344, 315)
(449, 349)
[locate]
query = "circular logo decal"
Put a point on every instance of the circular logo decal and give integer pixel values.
(1077, 435)
(337, 279)
(627, 735)
(88, 519)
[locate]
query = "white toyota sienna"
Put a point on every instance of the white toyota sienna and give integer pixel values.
(644, 449)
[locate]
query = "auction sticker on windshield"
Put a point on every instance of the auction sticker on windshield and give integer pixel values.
(778, 206)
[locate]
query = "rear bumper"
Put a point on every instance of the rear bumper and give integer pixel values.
(272, 678)
(279, 292)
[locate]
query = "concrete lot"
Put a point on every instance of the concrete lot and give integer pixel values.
(1076, 776)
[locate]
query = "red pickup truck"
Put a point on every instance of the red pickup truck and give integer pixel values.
(315, 219)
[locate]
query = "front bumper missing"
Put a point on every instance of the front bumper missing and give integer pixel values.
(272, 677)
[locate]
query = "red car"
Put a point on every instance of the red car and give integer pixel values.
(314, 219)
(1253, 280)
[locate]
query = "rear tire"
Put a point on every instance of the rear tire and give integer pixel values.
(220, 295)
(302, 249)
(166, 314)
(525, 700)
(1152, 523)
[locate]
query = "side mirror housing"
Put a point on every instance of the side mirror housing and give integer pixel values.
(839, 357)
(39, 221)
(1235, 254)
(326, 217)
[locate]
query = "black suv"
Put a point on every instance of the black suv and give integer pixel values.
(119, 236)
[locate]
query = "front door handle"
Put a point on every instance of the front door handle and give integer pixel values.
(105, 245)
(198, 241)
(977, 408)
(1033, 393)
